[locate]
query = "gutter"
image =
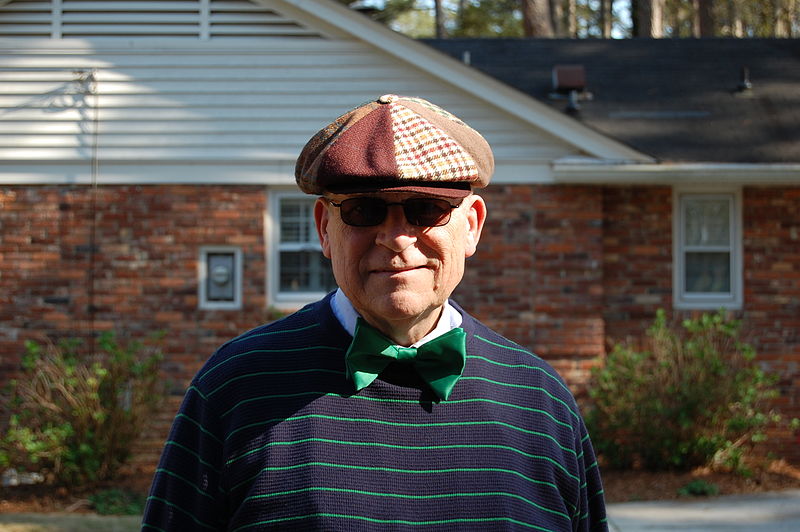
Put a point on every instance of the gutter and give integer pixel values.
(593, 171)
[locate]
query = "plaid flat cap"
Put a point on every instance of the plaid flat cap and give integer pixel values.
(395, 143)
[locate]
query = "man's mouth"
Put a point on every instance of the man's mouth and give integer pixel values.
(398, 270)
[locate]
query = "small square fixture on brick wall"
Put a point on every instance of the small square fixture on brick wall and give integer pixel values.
(220, 277)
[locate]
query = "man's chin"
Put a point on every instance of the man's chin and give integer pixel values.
(405, 304)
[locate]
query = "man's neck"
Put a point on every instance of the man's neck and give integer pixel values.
(402, 332)
(408, 331)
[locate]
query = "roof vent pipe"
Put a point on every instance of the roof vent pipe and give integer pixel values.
(466, 57)
(572, 102)
(744, 83)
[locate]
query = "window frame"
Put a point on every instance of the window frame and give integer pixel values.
(734, 299)
(278, 299)
(202, 277)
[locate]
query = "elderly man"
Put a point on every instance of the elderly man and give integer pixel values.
(384, 405)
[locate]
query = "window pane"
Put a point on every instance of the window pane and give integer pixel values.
(297, 220)
(707, 222)
(708, 272)
(305, 271)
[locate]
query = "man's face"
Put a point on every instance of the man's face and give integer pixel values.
(396, 272)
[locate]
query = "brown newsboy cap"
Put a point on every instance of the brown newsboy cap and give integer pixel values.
(395, 143)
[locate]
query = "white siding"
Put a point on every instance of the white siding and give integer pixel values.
(217, 104)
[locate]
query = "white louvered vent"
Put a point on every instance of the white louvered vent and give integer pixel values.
(233, 18)
(193, 19)
(26, 18)
(93, 18)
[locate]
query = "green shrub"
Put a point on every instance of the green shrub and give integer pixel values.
(693, 396)
(116, 501)
(699, 488)
(75, 416)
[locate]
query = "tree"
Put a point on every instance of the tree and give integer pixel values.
(536, 21)
(647, 18)
(750, 18)
(606, 18)
(489, 18)
(786, 18)
(439, 18)
(586, 18)
(704, 20)
(571, 16)
(388, 12)
(557, 17)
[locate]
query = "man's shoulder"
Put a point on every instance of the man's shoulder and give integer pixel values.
(295, 327)
(500, 355)
(297, 339)
(488, 338)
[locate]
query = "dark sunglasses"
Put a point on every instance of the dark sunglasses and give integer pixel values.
(368, 212)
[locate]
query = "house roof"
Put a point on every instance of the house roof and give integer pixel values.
(468, 80)
(677, 100)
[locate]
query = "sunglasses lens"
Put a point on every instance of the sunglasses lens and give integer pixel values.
(363, 212)
(422, 212)
(426, 212)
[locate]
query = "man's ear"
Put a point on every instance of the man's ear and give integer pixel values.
(321, 219)
(476, 216)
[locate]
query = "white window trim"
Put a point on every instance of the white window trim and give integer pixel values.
(708, 301)
(202, 276)
(286, 301)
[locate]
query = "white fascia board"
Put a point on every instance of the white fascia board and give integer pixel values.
(467, 79)
(210, 172)
(522, 173)
(149, 173)
(280, 172)
(600, 172)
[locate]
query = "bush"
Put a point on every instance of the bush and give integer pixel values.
(695, 396)
(116, 501)
(75, 416)
(699, 488)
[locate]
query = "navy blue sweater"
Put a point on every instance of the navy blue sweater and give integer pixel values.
(271, 435)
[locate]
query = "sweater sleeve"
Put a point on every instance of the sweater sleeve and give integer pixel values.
(590, 513)
(186, 493)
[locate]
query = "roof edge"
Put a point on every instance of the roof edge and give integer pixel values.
(614, 172)
(468, 79)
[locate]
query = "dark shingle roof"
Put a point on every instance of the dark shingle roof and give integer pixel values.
(673, 99)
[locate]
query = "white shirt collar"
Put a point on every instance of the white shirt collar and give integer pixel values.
(347, 315)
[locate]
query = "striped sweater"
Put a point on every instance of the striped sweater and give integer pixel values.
(272, 436)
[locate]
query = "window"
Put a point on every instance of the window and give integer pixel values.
(708, 263)
(300, 273)
(220, 277)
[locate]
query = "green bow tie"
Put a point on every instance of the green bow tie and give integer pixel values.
(439, 362)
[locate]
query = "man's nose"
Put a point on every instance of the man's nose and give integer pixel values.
(395, 232)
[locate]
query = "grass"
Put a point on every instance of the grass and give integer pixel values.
(68, 523)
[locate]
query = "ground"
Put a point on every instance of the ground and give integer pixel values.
(626, 486)
(620, 486)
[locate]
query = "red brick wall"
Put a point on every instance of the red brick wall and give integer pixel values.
(143, 274)
(537, 276)
(637, 258)
(562, 270)
(772, 290)
(567, 270)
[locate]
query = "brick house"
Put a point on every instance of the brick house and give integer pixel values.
(147, 180)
